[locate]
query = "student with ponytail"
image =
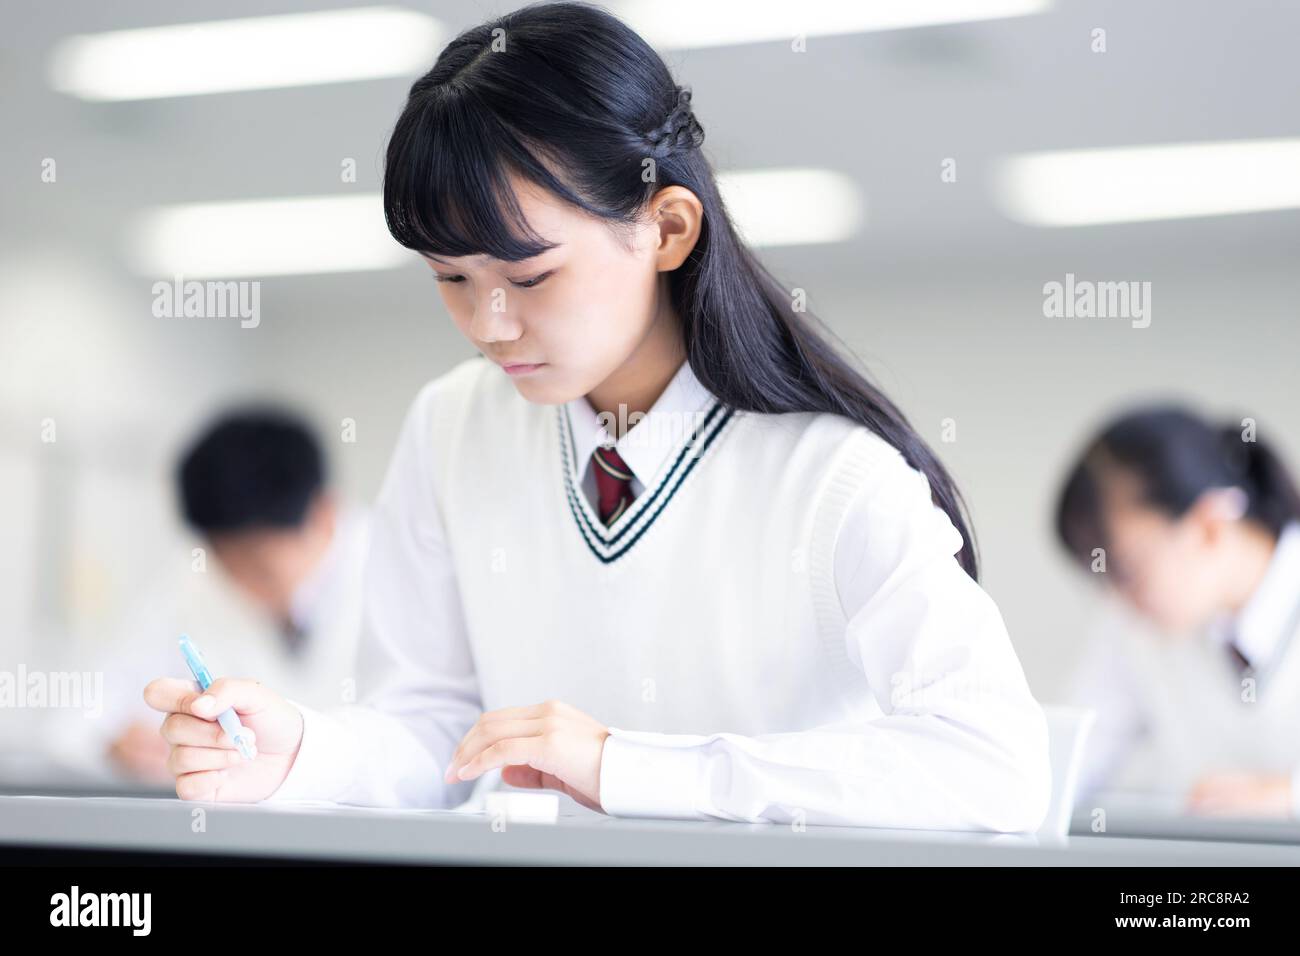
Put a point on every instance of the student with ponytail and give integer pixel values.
(1195, 671)
(659, 546)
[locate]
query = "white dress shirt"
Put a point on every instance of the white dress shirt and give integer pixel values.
(962, 746)
(643, 450)
(1168, 707)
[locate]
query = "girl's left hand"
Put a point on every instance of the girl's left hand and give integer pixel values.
(549, 746)
(1242, 794)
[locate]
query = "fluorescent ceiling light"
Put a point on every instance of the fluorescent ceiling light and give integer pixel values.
(316, 234)
(1141, 183)
(789, 207)
(308, 234)
(254, 53)
(685, 24)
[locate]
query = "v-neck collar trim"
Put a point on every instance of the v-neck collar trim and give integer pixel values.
(608, 544)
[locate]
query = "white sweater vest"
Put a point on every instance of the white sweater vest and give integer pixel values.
(721, 567)
(1202, 717)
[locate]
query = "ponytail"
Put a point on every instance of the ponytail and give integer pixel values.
(1262, 475)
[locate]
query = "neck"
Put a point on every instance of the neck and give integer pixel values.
(637, 384)
(1253, 554)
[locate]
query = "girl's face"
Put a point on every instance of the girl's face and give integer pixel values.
(577, 312)
(1166, 568)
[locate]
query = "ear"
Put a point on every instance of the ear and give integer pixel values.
(679, 214)
(1216, 511)
(323, 512)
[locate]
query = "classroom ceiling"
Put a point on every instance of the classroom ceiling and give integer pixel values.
(885, 108)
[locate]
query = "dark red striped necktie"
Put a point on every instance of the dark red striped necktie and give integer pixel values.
(613, 483)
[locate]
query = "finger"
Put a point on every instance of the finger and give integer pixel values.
(525, 777)
(166, 694)
(547, 708)
(183, 730)
(201, 785)
(514, 750)
(530, 778)
(172, 695)
(483, 736)
(463, 738)
(184, 760)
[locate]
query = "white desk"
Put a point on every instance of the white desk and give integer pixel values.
(1157, 816)
(354, 834)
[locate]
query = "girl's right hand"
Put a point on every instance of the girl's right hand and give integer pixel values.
(204, 759)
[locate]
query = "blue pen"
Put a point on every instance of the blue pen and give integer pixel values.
(228, 720)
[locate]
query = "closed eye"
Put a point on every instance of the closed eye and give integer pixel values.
(529, 283)
(526, 284)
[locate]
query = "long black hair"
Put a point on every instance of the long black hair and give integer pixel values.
(1175, 455)
(567, 96)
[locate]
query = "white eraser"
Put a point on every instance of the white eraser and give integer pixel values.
(518, 807)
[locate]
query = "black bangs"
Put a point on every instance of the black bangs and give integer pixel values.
(446, 185)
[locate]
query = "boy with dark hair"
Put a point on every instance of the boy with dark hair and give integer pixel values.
(254, 486)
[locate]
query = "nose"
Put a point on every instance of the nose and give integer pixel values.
(493, 319)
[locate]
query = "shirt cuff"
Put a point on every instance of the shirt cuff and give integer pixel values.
(645, 774)
(326, 763)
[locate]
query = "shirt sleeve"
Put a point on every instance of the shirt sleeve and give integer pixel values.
(960, 744)
(416, 685)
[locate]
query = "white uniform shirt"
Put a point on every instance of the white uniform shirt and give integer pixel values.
(963, 747)
(1172, 709)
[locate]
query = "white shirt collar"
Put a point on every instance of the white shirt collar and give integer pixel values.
(1262, 621)
(646, 445)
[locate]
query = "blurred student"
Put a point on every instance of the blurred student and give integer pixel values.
(1195, 528)
(275, 590)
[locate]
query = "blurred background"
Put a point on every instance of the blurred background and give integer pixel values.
(922, 233)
